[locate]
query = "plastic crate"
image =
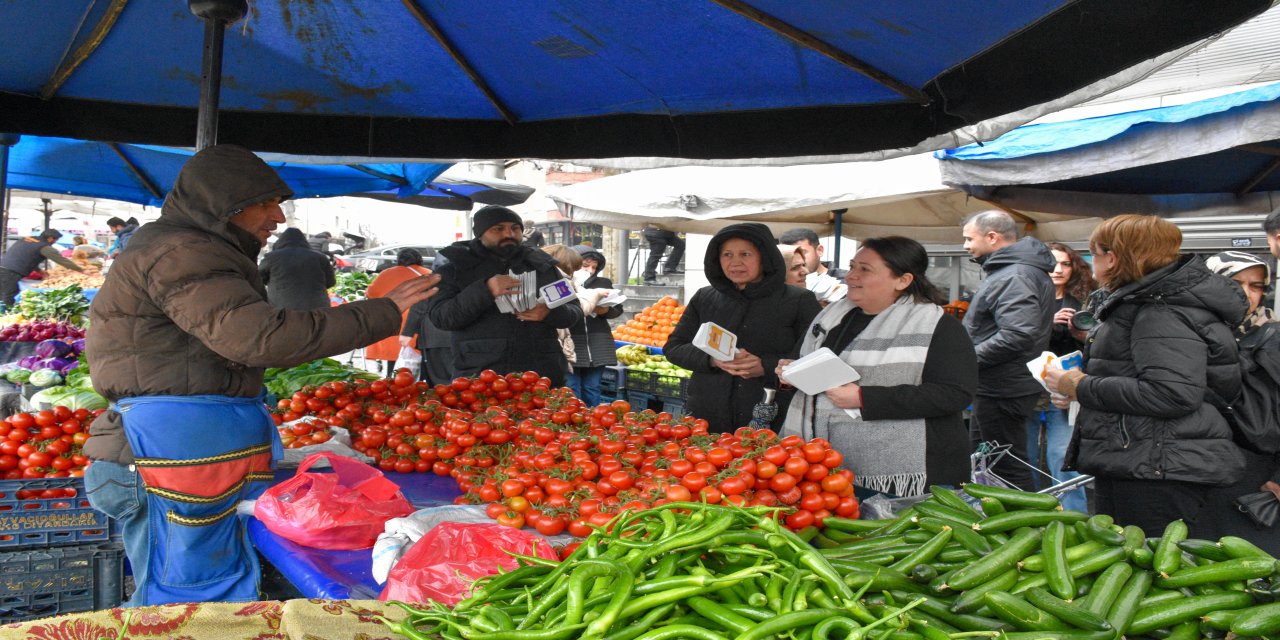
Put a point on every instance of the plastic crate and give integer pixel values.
(613, 378)
(639, 400)
(31, 521)
(657, 383)
(674, 406)
(36, 583)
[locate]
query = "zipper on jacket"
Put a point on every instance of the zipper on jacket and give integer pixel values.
(1125, 440)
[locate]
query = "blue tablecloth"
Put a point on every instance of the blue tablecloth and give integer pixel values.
(343, 575)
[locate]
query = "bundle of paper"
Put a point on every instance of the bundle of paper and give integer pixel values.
(613, 298)
(819, 371)
(524, 299)
(716, 341)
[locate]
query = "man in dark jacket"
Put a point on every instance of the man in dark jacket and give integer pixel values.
(181, 334)
(297, 276)
(592, 338)
(23, 257)
(435, 344)
(483, 336)
(1010, 320)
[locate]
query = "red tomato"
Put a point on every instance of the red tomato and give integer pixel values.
(799, 519)
(511, 519)
(550, 526)
(796, 466)
(694, 481)
(782, 482)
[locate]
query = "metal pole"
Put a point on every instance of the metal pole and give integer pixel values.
(6, 140)
(217, 14)
(839, 223)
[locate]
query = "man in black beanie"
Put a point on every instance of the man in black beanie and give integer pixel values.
(476, 274)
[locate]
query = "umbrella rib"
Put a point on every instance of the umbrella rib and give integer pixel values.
(808, 41)
(137, 171)
(393, 179)
(1260, 148)
(1258, 177)
(430, 25)
(85, 50)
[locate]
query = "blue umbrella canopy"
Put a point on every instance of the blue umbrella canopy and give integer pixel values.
(574, 78)
(143, 174)
(1218, 155)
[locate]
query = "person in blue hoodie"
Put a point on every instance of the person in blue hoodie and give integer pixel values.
(1010, 320)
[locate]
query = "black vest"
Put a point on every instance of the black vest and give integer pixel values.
(23, 257)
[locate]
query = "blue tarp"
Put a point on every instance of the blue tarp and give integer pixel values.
(102, 170)
(575, 78)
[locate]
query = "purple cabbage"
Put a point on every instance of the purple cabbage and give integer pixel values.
(69, 367)
(78, 346)
(52, 349)
(29, 362)
(53, 363)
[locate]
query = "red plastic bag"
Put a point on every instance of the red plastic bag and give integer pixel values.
(346, 509)
(442, 565)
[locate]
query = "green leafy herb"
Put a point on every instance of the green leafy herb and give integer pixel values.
(68, 304)
(352, 286)
(285, 382)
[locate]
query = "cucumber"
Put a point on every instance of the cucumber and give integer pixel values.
(1083, 567)
(936, 510)
(949, 498)
(1168, 557)
(1167, 614)
(1057, 635)
(1107, 587)
(895, 526)
(924, 553)
(964, 534)
(1241, 548)
(1222, 619)
(1126, 605)
(1156, 596)
(1228, 570)
(823, 542)
(916, 536)
(1070, 613)
(955, 553)
(840, 536)
(1021, 614)
(1260, 620)
(855, 526)
(1036, 562)
(940, 610)
(1134, 538)
(1018, 519)
(1012, 498)
(1074, 534)
(1189, 630)
(997, 562)
(1056, 571)
(972, 599)
(862, 546)
(1142, 556)
(991, 506)
(882, 581)
(923, 573)
(1204, 549)
(1099, 528)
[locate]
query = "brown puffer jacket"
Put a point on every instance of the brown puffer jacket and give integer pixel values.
(184, 312)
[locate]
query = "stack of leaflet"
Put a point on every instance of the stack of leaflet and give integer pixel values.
(613, 298)
(524, 299)
(818, 372)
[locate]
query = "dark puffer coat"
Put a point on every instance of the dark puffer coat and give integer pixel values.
(767, 316)
(297, 276)
(1157, 369)
(592, 338)
(483, 336)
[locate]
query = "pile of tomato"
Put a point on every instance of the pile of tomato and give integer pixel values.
(45, 444)
(539, 457)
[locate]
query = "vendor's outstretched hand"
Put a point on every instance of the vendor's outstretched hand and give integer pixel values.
(412, 291)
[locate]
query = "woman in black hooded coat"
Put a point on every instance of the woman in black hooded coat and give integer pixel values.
(749, 297)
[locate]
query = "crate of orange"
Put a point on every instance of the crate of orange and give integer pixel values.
(653, 325)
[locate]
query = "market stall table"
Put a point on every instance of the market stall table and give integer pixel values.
(343, 575)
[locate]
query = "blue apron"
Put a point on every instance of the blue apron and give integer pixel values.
(198, 457)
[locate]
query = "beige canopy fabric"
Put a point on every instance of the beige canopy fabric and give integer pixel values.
(901, 196)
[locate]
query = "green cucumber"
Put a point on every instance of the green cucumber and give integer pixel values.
(923, 573)
(1142, 557)
(1074, 553)
(991, 506)
(1021, 614)
(1107, 587)
(1223, 619)
(1260, 620)
(949, 498)
(1156, 595)
(1189, 630)
(924, 553)
(1228, 570)
(1168, 557)
(1167, 614)
(916, 536)
(855, 526)
(1018, 519)
(1134, 538)
(972, 599)
(1070, 613)
(1241, 548)
(964, 534)
(940, 610)
(1057, 635)
(937, 510)
(1056, 571)
(1012, 498)
(1126, 605)
(1083, 567)
(1099, 528)
(882, 581)
(997, 562)
(955, 553)
(1204, 549)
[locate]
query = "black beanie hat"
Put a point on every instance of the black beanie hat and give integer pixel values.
(492, 215)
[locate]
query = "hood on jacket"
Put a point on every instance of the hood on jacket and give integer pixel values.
(773, 271)
(217, 183)
(589, 253)
(292, 237)
(1028, 251)
(1189, 283)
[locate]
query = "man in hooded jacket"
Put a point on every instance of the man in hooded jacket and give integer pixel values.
(297, 277)
(1010, 320)
(483, 336)
(181, 333)
(766, 315)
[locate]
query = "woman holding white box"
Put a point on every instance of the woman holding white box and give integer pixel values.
(900, 427)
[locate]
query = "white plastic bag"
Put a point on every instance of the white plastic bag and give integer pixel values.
(410, 359)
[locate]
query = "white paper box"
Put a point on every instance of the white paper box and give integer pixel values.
(819, 371)
(716, 341)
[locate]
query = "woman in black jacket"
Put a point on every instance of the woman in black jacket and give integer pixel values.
(297, 276)
(592, 337)
(749, 298)
(1151, 427)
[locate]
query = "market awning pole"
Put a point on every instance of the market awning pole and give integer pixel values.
(217, 14)
(6, 140)
(839, 222)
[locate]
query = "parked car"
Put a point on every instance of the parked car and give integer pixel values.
(380, 258)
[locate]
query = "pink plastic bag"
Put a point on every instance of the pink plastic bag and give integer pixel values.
(346, 509)
(442, 565)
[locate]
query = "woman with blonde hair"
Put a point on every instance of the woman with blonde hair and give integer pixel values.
(1158, 366)
(794, 261)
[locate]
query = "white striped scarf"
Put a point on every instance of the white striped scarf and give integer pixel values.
(887, 456)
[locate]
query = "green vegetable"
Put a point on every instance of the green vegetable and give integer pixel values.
(351, 286)
(44, 378)
(67, 304)
(285, 382)
(70, 397)
(18, 376)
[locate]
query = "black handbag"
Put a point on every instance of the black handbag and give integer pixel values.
(1262, 507)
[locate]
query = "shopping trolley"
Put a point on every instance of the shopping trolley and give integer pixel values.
(987, 454)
